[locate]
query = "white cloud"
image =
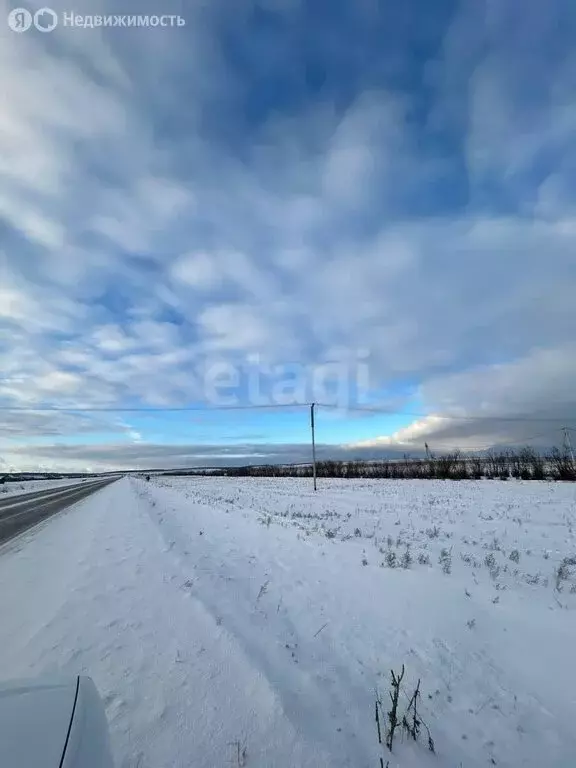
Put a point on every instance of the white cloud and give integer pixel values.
(542, 381)
(111, 338)
(198, 270)
(535, 392)
(32, 224)
(235, 327)
(157, 335)
(14, 305)
(361, 150)
(411, 436)
(61, 383)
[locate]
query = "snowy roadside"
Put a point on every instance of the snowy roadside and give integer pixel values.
(218, 616)
(178, 689)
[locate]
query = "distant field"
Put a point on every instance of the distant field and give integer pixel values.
(377, 517)
(28, 486)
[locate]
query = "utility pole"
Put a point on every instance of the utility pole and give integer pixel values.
(568, 444)
(313, 443)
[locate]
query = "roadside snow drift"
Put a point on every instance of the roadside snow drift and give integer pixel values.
(29, 486)
(252, 622)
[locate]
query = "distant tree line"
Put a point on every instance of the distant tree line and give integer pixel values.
(21, 477)
(523, 464)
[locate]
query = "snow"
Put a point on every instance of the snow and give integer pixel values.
(29, 486)
(219, 616)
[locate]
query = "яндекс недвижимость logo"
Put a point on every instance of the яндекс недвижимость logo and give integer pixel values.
(46, 20)
(21, 20)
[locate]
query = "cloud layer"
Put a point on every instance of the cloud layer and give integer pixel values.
(283, 184)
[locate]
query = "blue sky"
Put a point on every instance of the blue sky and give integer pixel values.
(358, 203)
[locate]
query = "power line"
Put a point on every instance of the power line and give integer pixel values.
(519, 441)
(139, 409)
(272, 406)
(443, 445)
(384, 412)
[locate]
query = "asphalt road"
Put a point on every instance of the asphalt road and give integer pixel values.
(17, 513)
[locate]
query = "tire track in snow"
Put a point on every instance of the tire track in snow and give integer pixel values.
(310, 686)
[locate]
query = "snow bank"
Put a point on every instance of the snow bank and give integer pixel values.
(29, 486)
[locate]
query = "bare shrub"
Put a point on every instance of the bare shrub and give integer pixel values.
(562, 573)
(411, 721)
(406, 559)
(563, 468)
(445, 560)
(490, 561)
(393, 712)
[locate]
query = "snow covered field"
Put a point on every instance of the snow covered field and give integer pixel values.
(249, 622)
(29, 486)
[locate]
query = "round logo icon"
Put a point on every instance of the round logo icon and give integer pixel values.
(45, 20)
(19, 20)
